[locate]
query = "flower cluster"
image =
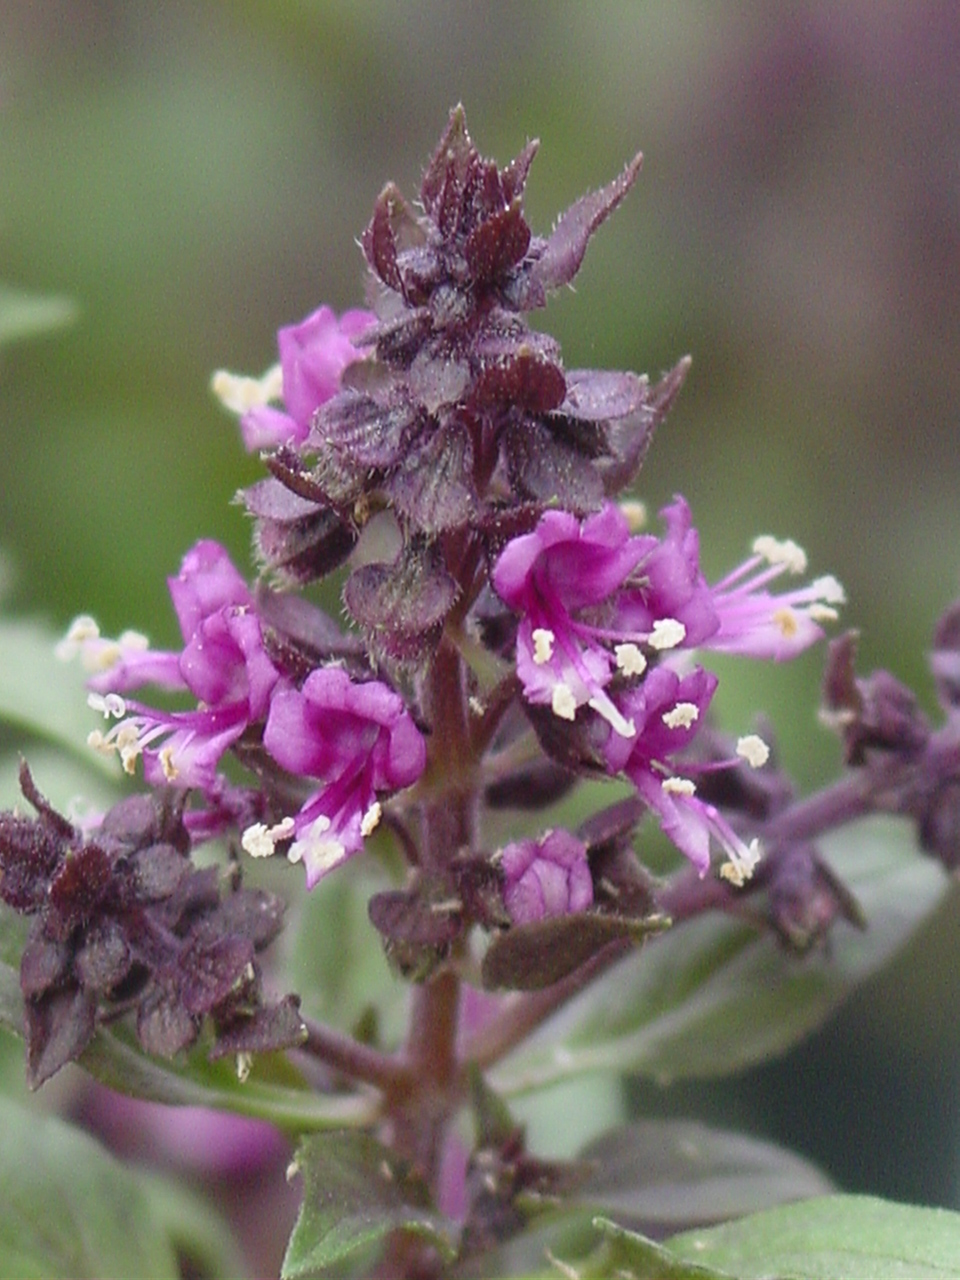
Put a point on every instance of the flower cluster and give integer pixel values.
(500, 598)
(355, 736)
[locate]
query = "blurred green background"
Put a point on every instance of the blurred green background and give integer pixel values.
(195, 174)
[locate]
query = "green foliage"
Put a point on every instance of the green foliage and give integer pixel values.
(67, 1209)
(42, 696)
(671, 1174)
(715, 995)
(836, 1238)
(354, 1196)
(830, 1238)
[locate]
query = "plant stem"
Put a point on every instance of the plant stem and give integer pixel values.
(355, 1060)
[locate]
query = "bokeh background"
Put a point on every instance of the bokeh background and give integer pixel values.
(194, 174)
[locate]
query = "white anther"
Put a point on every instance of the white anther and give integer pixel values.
(682, 716)
(543, 641)
(754, 750)
(788, 553)
(678, 786)
(563, 702)
(630, 660)
(667, 634)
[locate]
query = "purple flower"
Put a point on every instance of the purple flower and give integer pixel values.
(548, 577)
(667, 709)
(223, 664)
(313, 355)
(360, 741)
(594, 600)
(545, 877)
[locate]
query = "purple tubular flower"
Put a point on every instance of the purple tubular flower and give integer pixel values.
(667, 709)
(359, 740)
(548, 576)
(313, 355)
(546, 877)
(223, 664)
(593, 599)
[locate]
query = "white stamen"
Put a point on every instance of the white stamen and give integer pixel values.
(81, 629)
(667, 634)
(754, 750)
(322, 854)
(822, 613)
(742, 863)
(563, 702)
(134, 640)
(630, 660)
(682, 716)
(244, 1066)
(371, 819)
(260, 841)
(98, 742)
(543, 640)
(829, 589)
(240, 393)
(170, 770)
(678, 786)
(635, 514)
(619, 723)
(787, 553)
(110, 704)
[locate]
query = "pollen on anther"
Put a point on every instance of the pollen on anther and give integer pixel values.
(170, 770)
(682, 716)
(829, 590)
(667, 634)
(678, 786)
(260, 841)
(630, 660)
(752, 748)
(240, 393)
(543, 640)
(563, 703)
(788, 553)
(371, 819)
(81, 629)
(739, 868)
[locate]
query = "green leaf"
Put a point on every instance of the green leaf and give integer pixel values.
(115, 1058)
(43, 696)
(68, 1209)
(663, 1175)
(24, 314)
(834, 1238)
(354, 1195)
(711, 997)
